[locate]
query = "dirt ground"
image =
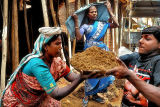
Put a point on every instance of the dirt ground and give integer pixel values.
(112, 97)
(91, 59)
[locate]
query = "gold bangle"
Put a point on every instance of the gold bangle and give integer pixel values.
(76, 27)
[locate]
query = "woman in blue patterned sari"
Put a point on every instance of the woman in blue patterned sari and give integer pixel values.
(94, 32)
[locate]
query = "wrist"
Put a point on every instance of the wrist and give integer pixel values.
(76, 27)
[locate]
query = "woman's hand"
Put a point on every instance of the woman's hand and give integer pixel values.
(119, 72)
(108, 4)
(90, 74)
(75, 17)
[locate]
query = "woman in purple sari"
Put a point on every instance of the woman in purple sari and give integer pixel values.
(94, 32)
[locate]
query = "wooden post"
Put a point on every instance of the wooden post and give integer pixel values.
(129, 26)
(116, 29)
(15, 40)
(45, 13)
(121, 30)
(87, 2)
(26, 26)
(53, 13)
(74, 41)
(4, 44)
(69, 39)
(97, 1)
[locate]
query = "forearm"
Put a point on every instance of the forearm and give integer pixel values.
(152, 93)
(60, 93)
(77, 31)
(115, 21)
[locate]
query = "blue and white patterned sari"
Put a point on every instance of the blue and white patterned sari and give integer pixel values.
(93, 34)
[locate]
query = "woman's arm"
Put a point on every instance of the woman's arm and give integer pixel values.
(76, 79)
(115, 21)
(77, 31)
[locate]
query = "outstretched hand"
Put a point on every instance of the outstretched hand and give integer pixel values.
(119, 71)
(90, 74)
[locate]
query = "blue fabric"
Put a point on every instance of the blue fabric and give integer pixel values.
(98, 85)
(103, 15)
(37, 52)
(37, 68)
(94, 34)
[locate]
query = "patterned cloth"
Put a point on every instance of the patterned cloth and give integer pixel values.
(103, 15)
(43, 38)
(93, 34)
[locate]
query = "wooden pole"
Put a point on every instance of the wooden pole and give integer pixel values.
(69, 39)
(129, 26)
(53, 13)
(45, 13)
(97, 1)
(26, 26)
(15, 40)
(116, 29)
(121, 30)
(74, 41)
(4, 44)
(87, 2)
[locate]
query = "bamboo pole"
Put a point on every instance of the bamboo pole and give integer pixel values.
(121, 30)
(52, 12)
(26, 26)
(87, 2)
(4, 44)
(129, 35)
(116, 29)
(45, 13)
(69, 39)
(97, 1)
(15, 40)
(74, 41)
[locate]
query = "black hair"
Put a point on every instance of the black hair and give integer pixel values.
(155, 30)
(49, 42)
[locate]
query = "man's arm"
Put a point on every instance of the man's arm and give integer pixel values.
(151, 92)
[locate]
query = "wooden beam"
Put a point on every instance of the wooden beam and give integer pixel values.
(4, 44)
(15, 40)
(45, 13)
(26, 26)
(53, 13)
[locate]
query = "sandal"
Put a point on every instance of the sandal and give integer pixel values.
(85, 102)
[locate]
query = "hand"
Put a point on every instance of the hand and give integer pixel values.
(74, 16)
(120, 71)
(90, 74)
(108, 4)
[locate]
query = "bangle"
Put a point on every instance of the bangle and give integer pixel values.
(76, 27)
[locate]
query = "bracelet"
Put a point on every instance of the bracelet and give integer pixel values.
(76, 27)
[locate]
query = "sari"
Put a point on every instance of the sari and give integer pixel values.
(31, 92)
(93, 34)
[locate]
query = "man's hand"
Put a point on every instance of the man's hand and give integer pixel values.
(119, 72)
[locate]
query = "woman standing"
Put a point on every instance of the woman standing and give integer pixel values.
(94, 32)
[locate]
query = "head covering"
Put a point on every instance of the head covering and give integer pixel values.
(46, 33)
(155, 30)
(103, 15)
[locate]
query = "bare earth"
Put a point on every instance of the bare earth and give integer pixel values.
(91, 59)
